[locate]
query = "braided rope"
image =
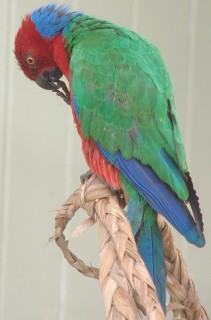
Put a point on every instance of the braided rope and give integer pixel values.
(126, 285)
(185, 302)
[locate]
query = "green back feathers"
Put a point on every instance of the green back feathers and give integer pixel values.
(124, 97)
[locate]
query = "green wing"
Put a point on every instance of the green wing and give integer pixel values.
(125, 101)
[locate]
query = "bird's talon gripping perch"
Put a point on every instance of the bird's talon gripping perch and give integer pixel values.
(85, 176)
(121, 198)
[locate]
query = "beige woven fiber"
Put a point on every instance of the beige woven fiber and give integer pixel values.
(126, 285)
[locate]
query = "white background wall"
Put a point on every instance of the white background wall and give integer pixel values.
(41, 160)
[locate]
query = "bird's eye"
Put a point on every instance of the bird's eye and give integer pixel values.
(31, 61)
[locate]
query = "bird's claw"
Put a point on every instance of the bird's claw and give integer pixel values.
(121, 198)
(85, 176)
(55, 85)
(65, 95)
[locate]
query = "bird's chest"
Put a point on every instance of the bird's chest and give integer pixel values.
(99, 165)
(95, 160)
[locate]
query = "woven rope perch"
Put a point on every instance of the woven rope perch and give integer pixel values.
(126, 285)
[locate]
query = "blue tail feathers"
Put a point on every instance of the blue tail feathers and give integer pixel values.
(159, 195)
(143, 220)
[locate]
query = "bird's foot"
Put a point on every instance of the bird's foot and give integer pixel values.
(85, 176)
(65, 95)
(121, 198)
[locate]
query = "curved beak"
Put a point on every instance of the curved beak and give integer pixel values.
(47, 78)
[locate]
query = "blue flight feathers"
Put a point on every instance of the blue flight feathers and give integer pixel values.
(157, 194)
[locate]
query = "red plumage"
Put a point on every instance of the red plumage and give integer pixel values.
(98, 164)
(48, 53)
(94, 158)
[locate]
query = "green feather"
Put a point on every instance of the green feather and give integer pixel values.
(123, 93)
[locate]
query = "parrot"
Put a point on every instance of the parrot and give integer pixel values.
(122, 103)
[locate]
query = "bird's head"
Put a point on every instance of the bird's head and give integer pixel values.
(40, 45)
(34, 56)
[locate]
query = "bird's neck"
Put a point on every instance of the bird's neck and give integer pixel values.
(60, 55)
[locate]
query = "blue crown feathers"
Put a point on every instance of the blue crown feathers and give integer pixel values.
(50, 20)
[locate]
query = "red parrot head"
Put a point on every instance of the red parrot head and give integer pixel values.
(34, 55)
